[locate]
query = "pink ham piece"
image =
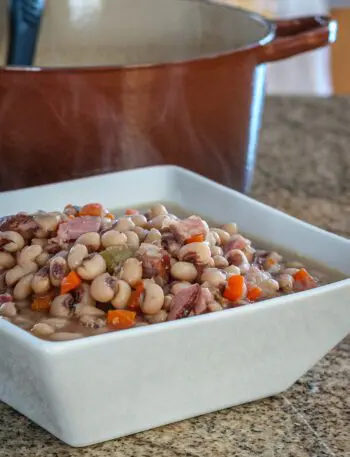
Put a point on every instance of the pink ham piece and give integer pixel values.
(155, 261)
(193, 299)
(236, 242)
(5, 298)
(185, 229)
(71, 230)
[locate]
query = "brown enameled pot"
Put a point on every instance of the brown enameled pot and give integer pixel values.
(119, 84)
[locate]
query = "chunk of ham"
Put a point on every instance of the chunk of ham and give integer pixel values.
(187, 228)
(192, 300)
(236, 242)
(72, 229)
(155, 260)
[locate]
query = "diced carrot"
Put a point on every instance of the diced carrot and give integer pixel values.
(235, 288)
(134, 301)
(271, 262)
(70, 282)
(301, 275)
(121, 318)
(92, 209)
(42, 302)
(303, 280)
(195, 239)
(110, 216)
(254, 293)
(131, 212)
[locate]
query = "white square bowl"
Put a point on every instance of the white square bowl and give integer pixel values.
(103, 387)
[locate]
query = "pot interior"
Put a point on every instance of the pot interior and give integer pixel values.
(78, 33)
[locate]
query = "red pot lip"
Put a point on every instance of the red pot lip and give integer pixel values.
(270, 35)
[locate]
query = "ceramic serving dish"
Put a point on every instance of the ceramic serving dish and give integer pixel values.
(103, 387)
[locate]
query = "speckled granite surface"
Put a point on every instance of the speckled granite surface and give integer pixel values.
(303, 169)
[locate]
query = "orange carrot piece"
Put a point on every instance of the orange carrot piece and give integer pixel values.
(92, 209)
(302, 275)
(70, 282)
(110, 216)
(254, 293)
(134, 301)
(43, 302)
(121, 318)
(235, 288)
(195, 239)
(131, 212)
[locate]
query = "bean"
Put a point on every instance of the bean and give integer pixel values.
(141, 233)
(214, 277)
(131, 271)
(223, 235)
(8, 309)
(272, 263)
(41, 281)
(87, 310)
(153, 237)
(157, 318)
(42, 259)
(286, 282)
(6, 260)
(15, 241)
(23, 288)
(184, 271)
(92, 322)
(238, 258)
(58, 269)
(249, 252)
(232, 270)
(83, 295)
(91, 240)
(42, 330)
(160, 222)
(91, 267)
(103, 288)
(76, 255)
(16, 273)
(214, 306)
(113, 238)
(139, 220)
(29, 254)
(198, 253)
(157, 210)
(133, 240)
(61, 306)
(269, 288)
(167, 302)
(153, 299)
(230, 228)
(216, 250)
(179, 286)
(213, 238)
(48, 223)
(65, 336)
(124, 224)
(122, 295)
(56, 322)
(220, 261)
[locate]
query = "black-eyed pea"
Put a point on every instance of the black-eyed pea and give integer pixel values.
(83, 295)
(91, 267)
(223, 235)
(220, 261)
(216, 250)
(230, 228)
(57, 270)
(23, 288)
(157, 210)
(7, 260)
(141, 233)
(131, 271)
(167, 301)
(14, 242)
(17, 272)
(139, 220)
(8, 309)
(178, 286)
(43, 258)
(65, 336)
(91, 240)
(41, 281)
(237, 258)
(160, 222)
(157, 318)
(41, 242)
(213, 238)
(103, 288)
(29, 254)
(124, 224)
(286, 282)
(94, 322)
(197, 253)
(61, 306)
(213, 276)
(57, 323)
(184, 271)
(232, 270)
(269, 288)
(133, 240)
(42, 330)
(214, 306)
(153, 237)
(153, 299)
(48, 222)
(87, 310)
(122, 295)
(76, 255)
(113, 238)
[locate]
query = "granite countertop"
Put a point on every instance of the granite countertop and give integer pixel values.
(303, 169)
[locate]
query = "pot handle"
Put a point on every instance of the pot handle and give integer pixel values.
(294, 36)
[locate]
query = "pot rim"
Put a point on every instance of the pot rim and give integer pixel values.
(268, 38)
